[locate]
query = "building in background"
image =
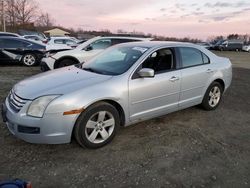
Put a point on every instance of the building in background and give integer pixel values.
(56, 32)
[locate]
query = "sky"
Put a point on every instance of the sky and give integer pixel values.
(173, 18)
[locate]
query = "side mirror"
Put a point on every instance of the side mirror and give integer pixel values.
(146, 73)
(88, 48)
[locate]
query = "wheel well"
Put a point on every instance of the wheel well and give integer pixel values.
(221, 82)
(64, 58)
(30, 52)
(119, 109)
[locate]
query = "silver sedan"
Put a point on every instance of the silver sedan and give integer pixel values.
(125, 84)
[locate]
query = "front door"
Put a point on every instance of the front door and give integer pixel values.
(151, 97)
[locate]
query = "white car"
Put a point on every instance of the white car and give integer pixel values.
(68, 41)
(246, 48)
(84, 51)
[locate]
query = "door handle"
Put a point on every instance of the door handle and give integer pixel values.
(209, 71)
(174, 78)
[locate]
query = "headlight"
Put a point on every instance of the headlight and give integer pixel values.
(39, 105)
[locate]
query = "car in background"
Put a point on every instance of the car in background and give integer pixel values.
(36, 38)
(17, 49)
(206, 45)
(229, 45)
(246, 48)
(7, 34)
(84, 51)
(65, 41)
(124, 85)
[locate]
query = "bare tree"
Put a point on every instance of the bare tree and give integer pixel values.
(45, 20)
(26, 11)
(10, 12)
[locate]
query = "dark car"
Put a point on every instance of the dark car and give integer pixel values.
(15, 49)
(229, 45)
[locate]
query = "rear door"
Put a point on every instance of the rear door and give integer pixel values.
(195, 73)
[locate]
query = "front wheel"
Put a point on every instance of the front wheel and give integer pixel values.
(29, 60)
(212, 97)
(97, 125)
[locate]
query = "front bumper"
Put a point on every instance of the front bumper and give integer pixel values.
(51, 129)
(44, 67)
(48, 62)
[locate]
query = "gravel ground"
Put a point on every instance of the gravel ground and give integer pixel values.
(189, 148)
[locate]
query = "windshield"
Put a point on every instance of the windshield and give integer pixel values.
(115, 61)
(220, 42)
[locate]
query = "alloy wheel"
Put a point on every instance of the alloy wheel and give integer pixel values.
(29, 60)
(100, 127)
(214, 96)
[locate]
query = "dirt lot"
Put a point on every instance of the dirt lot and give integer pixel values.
(190, 148)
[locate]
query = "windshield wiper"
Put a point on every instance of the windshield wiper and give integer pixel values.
(92, 70)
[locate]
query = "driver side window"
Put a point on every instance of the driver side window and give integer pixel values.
(101, 44)
(160, 61)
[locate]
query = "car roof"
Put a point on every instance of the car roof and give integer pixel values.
(154, 44)
(8, 33)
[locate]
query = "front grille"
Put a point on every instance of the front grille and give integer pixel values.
(16, 102)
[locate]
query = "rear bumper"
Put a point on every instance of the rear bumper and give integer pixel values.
(51, 129)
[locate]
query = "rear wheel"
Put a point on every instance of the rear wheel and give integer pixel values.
(212, 97)
(66, 62)
(29, 59)
(97, 125)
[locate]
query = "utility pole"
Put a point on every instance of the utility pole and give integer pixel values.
(3, 16)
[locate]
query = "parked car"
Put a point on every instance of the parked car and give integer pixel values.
(230, 45)
(125, 84)
(83, 52)
(63, 41)
(16, 49)
(7, 34)
(36, 38)
(246, 48)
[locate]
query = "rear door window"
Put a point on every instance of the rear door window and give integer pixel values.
(12, 43)
(192, 57)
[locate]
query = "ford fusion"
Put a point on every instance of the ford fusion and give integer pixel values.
(123, 85)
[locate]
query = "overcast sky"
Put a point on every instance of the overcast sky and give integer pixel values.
(179, 18)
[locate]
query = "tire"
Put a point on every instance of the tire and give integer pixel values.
(211, 101)
(90, 130)
(66, 62)
(29, 59)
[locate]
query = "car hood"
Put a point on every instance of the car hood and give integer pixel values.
(59, 81)
(71, 52)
